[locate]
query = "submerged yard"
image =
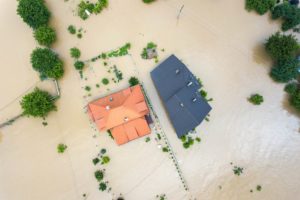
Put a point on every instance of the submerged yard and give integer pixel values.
(246, 151)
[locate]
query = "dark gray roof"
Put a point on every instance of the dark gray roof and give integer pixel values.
(179, 91)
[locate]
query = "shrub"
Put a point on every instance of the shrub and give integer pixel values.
(281, 46)
(295, 100)
(72, 29)
(96, 161)
(285, 70)
(33, 12)
(45, 35)
(289, 13)
(79, 65)
(47, 63)
(291, 88)
(260, 6)
(105, 160)
(133, 81)
(102, 186)
(148, 1)
(75, 52)
(82, 7)
(61, 148)
(105, 81)
(256, 99)
(99, 175)
(37, 103)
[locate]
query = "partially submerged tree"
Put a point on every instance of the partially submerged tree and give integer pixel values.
(45, 35)
(280, 46)
(47, 63)
(260, 6)
(285, 70)
(289, 13)
(133, 81)
(33, 12)
(37, 103)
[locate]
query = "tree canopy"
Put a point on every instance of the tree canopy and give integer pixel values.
(260, 6)
(45, 35)
(47, 63)
(37, 103)
(289, 13)
(33, 12)
(280, 46)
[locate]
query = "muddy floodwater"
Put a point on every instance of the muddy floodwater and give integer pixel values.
(218, 40)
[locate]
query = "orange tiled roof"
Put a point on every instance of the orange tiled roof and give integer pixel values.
(123, 113)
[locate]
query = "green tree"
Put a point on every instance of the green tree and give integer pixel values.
(280, 46)
(47, 63)
(61, 148)
(148, 1)
(256, 99)
(79, 65)
(260, 6)
(289, 13)
(45, 35)
(33, 12)
(133, 81)
(75, 52)
(37, 103)
(285, 70)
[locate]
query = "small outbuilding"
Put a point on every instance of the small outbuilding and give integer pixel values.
(179, 90)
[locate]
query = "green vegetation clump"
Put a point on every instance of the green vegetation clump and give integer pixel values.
(105, 81)
(75, 52)
(285, 70)
(47, 63)
(260, 6)
(102, 186)
(99, 175)
(79, 65)
(280, 46)
(258, 187)
(148, 1)
(237, 170)
(133, 81)
(37, 103)
(256, 99)
(290, 14)
(33, 12)
(72, 29)
(61, 148)
(105, 160)
(45, 35)
(96, 8)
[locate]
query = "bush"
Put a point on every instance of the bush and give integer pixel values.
(291, 88)
(45, 35)
(133, 81)
(102, 186)
(260, 6)
(72, 29)
(37, 103)
(33, 12)
(47, 63)
(105, 81)
(289, 13)
(79, 65)
(285, 70)
(295, 100)
(281, 46)
(148, 1)
(75, 52)
(61, 148)
(99, 175)
(256, 99)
